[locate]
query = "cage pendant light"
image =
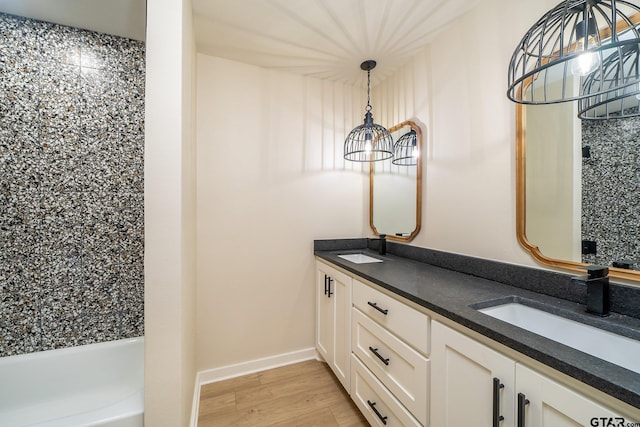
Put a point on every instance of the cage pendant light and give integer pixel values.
(368, 142)
(405, 150)
(570, 43)
(624, 101)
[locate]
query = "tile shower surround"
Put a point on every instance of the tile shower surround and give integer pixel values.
(611, 190)
(71, 186)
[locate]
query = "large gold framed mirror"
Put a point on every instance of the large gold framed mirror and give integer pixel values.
(395, 192)
(555, 220)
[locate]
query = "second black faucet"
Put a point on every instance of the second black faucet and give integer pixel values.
(597, 282)
(382, 246)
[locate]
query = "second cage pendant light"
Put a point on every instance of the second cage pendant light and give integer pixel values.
(405, 150)
(368, 142)
(571, 42)
(620, 103)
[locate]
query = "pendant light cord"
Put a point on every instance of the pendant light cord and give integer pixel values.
(368, 109)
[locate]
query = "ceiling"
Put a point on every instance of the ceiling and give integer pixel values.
(124, 18)
(326, 39)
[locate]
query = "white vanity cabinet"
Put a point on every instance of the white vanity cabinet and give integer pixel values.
(470, 379)
(389, 342)
(549, 404)
(462, 381)
(333, 320)
(402, 368)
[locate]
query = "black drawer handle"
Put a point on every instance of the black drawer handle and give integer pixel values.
(329, 280)
(522, 402)
(373, 406)
(326, 279)
(497, 386)
(375, 351)
(374, 305)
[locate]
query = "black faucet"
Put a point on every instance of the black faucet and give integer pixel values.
(597, 282)
(627, 264)
(382, 246)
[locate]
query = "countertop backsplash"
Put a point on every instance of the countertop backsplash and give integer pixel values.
(625, 299)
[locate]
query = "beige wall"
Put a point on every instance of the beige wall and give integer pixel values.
(169, 216)
(457, 89)
(188, 319)
(271, 179)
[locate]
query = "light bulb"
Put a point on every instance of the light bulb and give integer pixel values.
(367, 142)
(367, 147)
(586, 32)
(585, 64)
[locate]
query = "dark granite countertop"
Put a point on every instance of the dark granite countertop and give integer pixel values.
(451, 294)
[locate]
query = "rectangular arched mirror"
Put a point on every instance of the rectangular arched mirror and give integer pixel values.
(577, 189)
(395, 189)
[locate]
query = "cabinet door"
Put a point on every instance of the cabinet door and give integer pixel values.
(324, 315)
(333, 320)
(462, 374)
(553, 405)
(341, 288)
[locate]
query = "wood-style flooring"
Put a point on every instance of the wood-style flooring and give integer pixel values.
(303, 394)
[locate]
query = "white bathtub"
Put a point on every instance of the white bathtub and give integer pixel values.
(92, 385)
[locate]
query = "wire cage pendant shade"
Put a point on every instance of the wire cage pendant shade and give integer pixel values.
(368, 142)
(621, 102)
(405, 150)
(572, 41)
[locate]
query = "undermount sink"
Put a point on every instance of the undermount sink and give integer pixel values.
(605, 345)
(359, 258)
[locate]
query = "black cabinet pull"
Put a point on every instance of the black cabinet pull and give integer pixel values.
(496, 402)
(522, 402)
(325, 283)
(373, 406)
(329, 293)
(374, 305)
(375, 351)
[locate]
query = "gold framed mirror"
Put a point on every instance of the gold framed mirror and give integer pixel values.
(395, 192)
(527, 187)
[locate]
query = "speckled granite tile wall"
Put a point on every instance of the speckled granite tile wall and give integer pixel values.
(611, 190)
(71, 186)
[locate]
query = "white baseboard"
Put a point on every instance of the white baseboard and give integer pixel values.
(252, 366)
(245, 368)
(195, 406)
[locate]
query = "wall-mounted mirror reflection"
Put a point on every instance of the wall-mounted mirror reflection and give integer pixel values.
(395, 190)
(578, 189)
(578, 180)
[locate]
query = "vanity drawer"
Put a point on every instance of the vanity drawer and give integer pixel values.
(407, 323)
(403, 370)
(368, 393)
